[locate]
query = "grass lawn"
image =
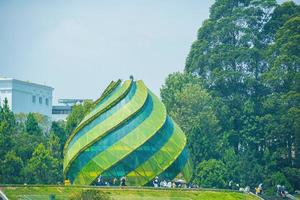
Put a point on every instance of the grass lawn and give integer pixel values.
(43, 192)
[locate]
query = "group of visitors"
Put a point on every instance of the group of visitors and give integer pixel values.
(164, 183)
(156, 183)
(281, 191)
(233, 186)
(236, 186)
(170, 184)
(101, 182)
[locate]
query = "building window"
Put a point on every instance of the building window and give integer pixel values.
(47, 101)
(40, 100)
(33, 99)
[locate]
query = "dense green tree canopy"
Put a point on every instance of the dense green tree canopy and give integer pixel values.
(192, 107)
(78, 113)
(211, 173)
(11, 168)
(240, 93)
(32, 126)
(31, 151)
(42, 167)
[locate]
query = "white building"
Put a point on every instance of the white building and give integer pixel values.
(64, 108)
(25, 97)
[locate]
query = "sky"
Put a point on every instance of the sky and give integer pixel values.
(78, 47)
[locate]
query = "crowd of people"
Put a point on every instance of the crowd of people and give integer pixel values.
(115, 182)
(280, 189)
(171, 184)
(155, 183)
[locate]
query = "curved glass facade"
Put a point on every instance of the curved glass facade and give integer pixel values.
(128, 133)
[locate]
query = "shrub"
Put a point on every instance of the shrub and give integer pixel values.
(211, 173)
(275, 179)
(90, 194)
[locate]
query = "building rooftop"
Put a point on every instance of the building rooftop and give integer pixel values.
(26, 82)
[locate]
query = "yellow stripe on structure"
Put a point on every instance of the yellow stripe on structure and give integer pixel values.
(120, 94)
(125, 146)
(160, 161)
(110, 88)
(114, 99)
(109, 124)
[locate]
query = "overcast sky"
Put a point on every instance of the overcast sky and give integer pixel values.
(78, 47)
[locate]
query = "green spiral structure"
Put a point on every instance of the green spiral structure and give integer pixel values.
(128, 133)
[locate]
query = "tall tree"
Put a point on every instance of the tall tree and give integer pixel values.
(283, 103)
(58, 129)
(227, 57)
(279, 17)
(211, 173)
(77, 114)
(11, 168)
(7, 129)
(192, 107)
(246, 57)
(32, 126)
(42, 167)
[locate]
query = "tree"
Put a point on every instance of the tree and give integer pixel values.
(228, 56)
(42, 167)
(282, 105)
(192, 108)
(277, 178)
(54, 146)
(58, 129)
(44, 122)
(77, 114)
(279, 17)
(23, 155)
(32, 126)
(211, 173)
(7, 129)
(56, 152)
(231, 161)
(293, 177)
(174, 84)
(283, 80)
(245, 63)
(284, 58)
(6, 115)
(11, 168)
(30, 134)
(226, 53)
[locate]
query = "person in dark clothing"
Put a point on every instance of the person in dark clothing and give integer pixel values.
(123, 181)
